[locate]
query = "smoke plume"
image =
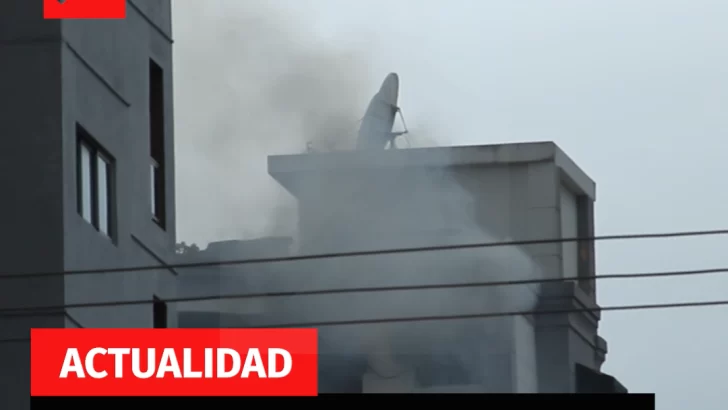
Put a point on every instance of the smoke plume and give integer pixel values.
(251, 82)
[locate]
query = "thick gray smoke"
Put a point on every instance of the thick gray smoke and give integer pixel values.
(251, 83)
(412, 209)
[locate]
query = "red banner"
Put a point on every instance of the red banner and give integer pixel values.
(84, 9)
(173, 362)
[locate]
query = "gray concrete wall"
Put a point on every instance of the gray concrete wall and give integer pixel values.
(452, 195)
(344, 209)
(105, 88)
(52, 75)
(31, 205)
(510, 190)
(562, 340)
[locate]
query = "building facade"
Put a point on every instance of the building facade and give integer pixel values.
(354, 201)
(87, 173)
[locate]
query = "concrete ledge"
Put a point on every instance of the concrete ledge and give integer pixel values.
(567, 295)
(286, 168)
(414, 157)
(584, 324)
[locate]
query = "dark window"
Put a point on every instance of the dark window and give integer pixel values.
(585, 267)
(95, 172)
(156, 138)
(159, 312)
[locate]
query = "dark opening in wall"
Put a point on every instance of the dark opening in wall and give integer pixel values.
(159, 313)
(157, 140)
(585, 247)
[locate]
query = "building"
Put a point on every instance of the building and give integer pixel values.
(352, 201)
(87, 124)
(88, 168)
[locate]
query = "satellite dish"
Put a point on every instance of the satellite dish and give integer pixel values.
(375, 131)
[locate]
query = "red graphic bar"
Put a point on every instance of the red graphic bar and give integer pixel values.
(174, 362)
(84, 9)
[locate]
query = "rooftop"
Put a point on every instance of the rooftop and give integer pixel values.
(287, 168)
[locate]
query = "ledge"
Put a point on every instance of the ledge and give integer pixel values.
(414, 157)
(286, 168)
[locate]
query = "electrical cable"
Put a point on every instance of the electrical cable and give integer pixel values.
(294, 258)
(36, 310)
(657, 306)
(40, 310)
(504, 314)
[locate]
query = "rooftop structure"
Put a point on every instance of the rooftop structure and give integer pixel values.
(379, 200)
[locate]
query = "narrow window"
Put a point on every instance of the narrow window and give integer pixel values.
(584, 215)
(95, 172)
(159, 312)
(85, 204)
(102, 183)
(569, 230)
(156, 137)
(576, 222)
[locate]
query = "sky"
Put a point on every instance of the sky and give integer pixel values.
(634, 92)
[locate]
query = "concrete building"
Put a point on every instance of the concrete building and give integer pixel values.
(353, 201)
(87, 123)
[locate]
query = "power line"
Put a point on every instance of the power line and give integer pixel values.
(35, 310)
(659, 306)
(504, 314)
(294, 258)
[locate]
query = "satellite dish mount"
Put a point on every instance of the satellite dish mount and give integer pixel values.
(375, 132)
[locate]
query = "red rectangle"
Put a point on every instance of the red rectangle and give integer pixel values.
(84, 9)
(186, 362)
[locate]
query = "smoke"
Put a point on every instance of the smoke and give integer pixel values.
(400, 209)
(252, 81)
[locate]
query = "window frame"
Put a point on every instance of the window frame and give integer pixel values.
(157, 187)
(585, 245)
(102, 157)
(97, 154)
(81, 205)
(157, 141)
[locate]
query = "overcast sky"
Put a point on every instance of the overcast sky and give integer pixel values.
(635, 92)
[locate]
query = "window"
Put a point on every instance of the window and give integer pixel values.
(95, 176)
(569, 229)
(585, 228)
(156, 138)
(577, 256)
(159, 313)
